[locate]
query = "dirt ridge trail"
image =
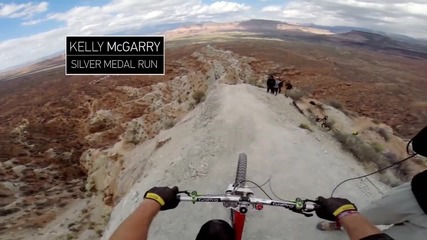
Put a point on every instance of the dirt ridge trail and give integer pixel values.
(202, 155)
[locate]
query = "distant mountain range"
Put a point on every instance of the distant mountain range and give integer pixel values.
(344, 29)
(156, 29)
(355, 36)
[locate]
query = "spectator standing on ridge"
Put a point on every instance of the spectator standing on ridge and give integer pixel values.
(280, 85)
(270, 83)
(276, 86)
(288, 86)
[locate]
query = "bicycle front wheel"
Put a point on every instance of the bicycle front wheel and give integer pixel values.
(241, 169)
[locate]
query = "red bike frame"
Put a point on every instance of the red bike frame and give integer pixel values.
(238, 224)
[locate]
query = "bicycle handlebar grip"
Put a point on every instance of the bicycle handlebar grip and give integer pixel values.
(312, 206)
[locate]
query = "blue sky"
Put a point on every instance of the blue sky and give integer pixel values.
(33, 29)
(15, 28)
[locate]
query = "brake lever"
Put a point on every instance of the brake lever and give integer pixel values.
(185, 192)
(302, 212)
(305, 212)
(308, 214)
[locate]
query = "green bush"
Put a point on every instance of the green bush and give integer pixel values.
(377, 147)
(199, 96)
(382, 132)
(374, 155)
(169, 123)
(295, 93)
(336, 104)
(305, 126)
(362, 151)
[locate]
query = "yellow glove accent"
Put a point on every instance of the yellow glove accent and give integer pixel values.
(156, 198)
(344, 208)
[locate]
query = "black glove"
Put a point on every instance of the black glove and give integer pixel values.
(165, 196)
(332, 207)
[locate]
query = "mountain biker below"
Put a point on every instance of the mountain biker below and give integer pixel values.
(136, 226)
(270, 83)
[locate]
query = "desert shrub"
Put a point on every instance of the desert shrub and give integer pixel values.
(391, 157)
(169, 123)
(336, 104)
(320, 107)
(373, 155)
(91, 225)
(159, 144)
(389, 177)
(134, 132)
(397, 174)
(106, 218)
(350, 113)
(296, 94)
(382, 132)
(312, 118)
(199, 96)
(5, 212)
(70, 236)
(420, 160)
(330, 123)
(377, 147)
(308, 89)
(376, 121)
(362, 151)
(305, 126)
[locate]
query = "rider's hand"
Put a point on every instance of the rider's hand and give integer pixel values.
(165, 196)
(331, 208)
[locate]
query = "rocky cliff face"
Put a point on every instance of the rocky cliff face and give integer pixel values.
(72, 147)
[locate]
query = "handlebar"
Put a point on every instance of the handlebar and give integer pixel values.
(299, 205)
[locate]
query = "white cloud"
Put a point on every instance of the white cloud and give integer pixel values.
(117, 16)
(31, 22)
(23, 10)
(387, 15)
(221, 7)
(272, 8)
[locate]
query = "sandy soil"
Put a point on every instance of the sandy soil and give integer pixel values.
(202, 155)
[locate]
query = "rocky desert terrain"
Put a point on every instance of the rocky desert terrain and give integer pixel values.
(63, 138)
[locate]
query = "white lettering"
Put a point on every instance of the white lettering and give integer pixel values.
(140, 46)
(147, 63)
(100, 44)
(74, 64)
(117, 63)
(73, 46)
(92, 63)
(157, 46)
(111, 47)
